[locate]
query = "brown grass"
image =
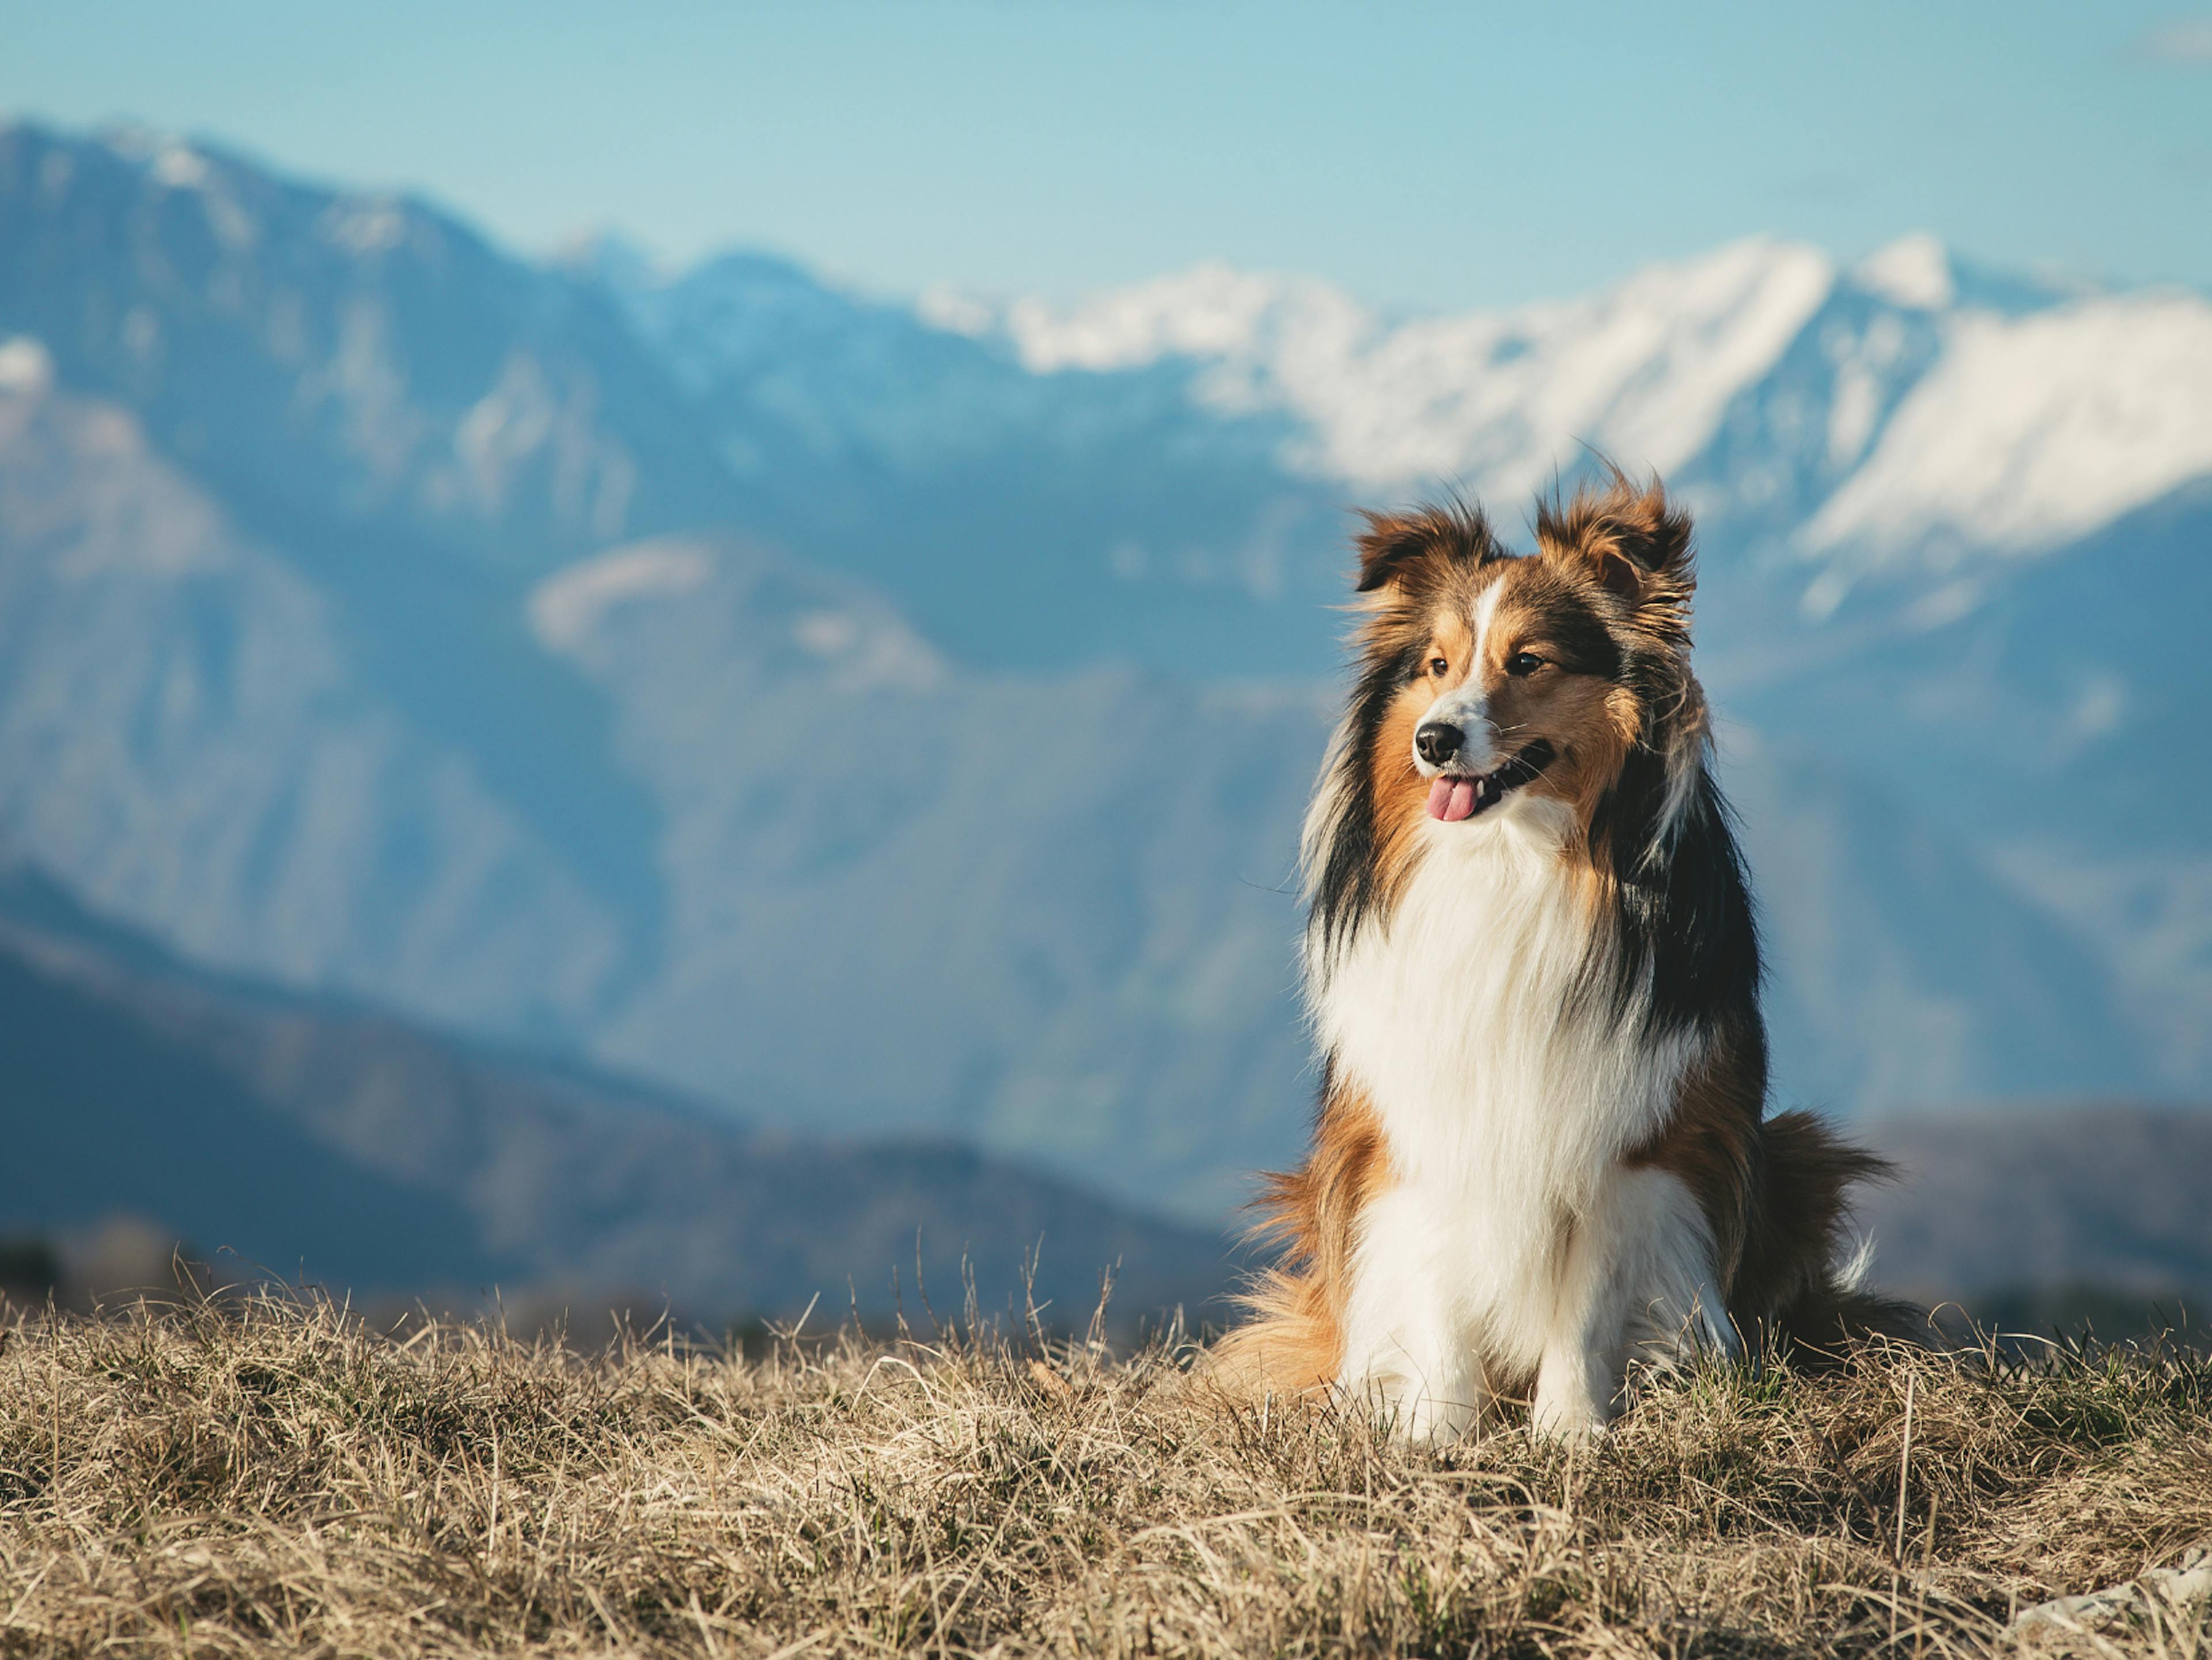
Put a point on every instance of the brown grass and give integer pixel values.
(271, 1477)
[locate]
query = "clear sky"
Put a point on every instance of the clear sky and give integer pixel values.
(1430, 155)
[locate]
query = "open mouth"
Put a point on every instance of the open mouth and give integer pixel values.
(1457, 796)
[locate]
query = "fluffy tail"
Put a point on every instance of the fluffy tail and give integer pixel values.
(1802, 1284)
(1293, 1345)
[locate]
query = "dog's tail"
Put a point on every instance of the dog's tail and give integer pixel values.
(1803, 1280)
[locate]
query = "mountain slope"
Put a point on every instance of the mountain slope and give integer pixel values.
(310, 1137)
(307, 1137)
(1045, 912)
(324, 359)
(2095, 1193)
(191, 735)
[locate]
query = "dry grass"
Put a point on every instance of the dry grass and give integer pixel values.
(271, 1477)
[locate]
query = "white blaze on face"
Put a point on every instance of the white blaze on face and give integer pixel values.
(1467, 706)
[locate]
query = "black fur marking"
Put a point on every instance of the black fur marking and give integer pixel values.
(1347, 891)
(1419, 550)
(1685, 938)
(1577, 635)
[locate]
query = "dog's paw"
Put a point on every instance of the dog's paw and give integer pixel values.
(1568, 1429)
(1565, 1412)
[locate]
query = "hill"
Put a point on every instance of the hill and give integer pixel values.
(1994, 1203)
(313, 1139)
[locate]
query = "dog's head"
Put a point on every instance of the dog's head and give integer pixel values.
(1554, 686)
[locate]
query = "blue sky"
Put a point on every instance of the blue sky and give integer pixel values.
(1431, 156)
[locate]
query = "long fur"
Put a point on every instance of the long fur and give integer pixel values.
(1542, 1151)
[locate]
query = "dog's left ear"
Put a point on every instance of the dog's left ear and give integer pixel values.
(1407, 549)
(1630, 537)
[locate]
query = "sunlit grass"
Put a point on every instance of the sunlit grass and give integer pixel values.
(269, 1475)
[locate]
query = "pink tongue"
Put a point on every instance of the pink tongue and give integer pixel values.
(1451, 799)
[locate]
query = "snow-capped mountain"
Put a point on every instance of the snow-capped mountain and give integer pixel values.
(1961, 411)
(1896, 428)
(896, 715)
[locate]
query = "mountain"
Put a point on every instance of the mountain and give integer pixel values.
(1043, 913)
(1970, 509)
(195, 733)
(2094, 1194)
(306, 1137)
(331, 362)
(1799, 401)
(895, 718)
(1021, 517)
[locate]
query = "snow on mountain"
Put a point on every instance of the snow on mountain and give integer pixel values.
(1641, 371)
(2036, 418)
(1914, 271)
(1213, 310)
(1967, 408)
(565, 607)
(2030, 432)
(1890, 434)
(793, 368)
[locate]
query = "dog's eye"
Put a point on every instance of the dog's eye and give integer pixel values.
(1437, 666)
(1524, 662)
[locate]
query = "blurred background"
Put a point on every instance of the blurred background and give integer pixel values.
(672, 653)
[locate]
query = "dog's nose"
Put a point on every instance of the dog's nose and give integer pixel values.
(1437, 742)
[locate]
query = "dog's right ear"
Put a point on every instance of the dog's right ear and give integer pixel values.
(1392, 544)
(1399, 547)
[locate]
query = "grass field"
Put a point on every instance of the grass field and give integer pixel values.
(271, 1477)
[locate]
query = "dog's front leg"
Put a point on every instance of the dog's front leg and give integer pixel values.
(1637, 1277)
(1406, 1349)
(1581, 1377)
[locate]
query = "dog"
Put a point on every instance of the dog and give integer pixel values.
(1542, 1155)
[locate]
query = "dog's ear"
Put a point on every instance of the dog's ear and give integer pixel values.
(1389, 548)
(1630, 537)
(1402, 547)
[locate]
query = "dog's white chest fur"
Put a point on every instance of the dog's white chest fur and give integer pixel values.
(1507, 1117)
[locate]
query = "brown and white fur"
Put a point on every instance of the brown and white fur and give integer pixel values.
(1542, 1150)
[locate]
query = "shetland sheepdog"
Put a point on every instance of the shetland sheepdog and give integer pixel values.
(1542, 1154)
